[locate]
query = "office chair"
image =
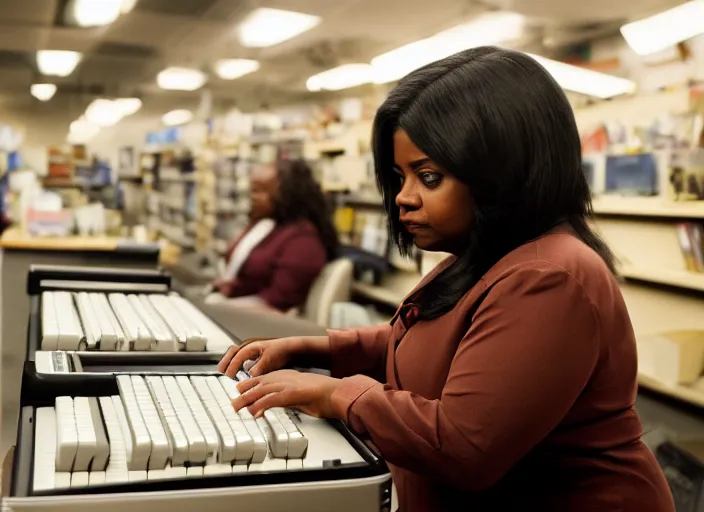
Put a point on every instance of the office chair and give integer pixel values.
(333, 285)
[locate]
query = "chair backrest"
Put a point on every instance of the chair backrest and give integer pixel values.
(333, 284)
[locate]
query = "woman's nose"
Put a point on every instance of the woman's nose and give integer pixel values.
(408, 198)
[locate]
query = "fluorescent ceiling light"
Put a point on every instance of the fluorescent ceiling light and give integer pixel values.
(666, 29)
(341, 77)
(176, 117)
(489, 29)
(82, 130)
(57, 62)
(586, 81)
(128, 106)
(94, 13)
(127, 6)
(104, 112)
(43, 92)
(231, 69)
(181, 79)
(268, 27)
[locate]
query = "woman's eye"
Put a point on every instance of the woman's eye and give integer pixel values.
(431, 179)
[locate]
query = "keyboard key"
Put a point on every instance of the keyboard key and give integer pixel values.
(139, 443)
(113, 413)
(111, 334)
(226, 439)
(159, 452)
(201, 417)
(86, 436)
(66, 435)
(50, 324)
(136, 333)
(44, 449)
(197, 448)
(178, 442)
(89, 318)
(102, 447)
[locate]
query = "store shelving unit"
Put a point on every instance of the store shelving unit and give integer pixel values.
(654, 207)
(675, 278)
(222, 202)
(692, 395)
(661, 292)
(170, 206)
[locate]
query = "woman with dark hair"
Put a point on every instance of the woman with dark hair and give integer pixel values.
(288, 242)
(507, 379)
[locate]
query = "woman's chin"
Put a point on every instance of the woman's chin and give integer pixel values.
(427, 243)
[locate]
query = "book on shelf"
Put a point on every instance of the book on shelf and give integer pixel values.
(691, 239)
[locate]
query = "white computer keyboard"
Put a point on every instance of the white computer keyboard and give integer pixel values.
(172, 427)
(126, 322)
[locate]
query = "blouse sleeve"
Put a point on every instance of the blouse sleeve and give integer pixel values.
(530, 351)
(361, 350)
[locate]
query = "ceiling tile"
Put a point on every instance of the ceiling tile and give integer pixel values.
(200, 40)
(227, 11)
(113, 73)
(14, 76)
(22, 38)
(148, 29)
(192, 8)
(39, 12)
(15, 59)
(132, 51)
(69, 38)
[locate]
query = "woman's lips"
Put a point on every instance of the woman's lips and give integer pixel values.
(415, 228)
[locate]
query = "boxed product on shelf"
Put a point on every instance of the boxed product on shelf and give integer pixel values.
(674, 357)
(48, 223)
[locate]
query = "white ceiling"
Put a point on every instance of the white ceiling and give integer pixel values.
(124, 58)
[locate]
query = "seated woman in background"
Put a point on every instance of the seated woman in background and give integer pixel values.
(273, 264)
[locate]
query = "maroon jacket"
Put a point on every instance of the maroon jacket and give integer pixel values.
(282, 268)
(520, 398)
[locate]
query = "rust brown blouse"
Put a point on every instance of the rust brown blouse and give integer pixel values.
(526, 404)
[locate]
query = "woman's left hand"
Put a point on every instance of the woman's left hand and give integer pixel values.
(308, 392)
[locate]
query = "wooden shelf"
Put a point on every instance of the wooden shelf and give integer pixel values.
(693, 395)
(648, 207)
(14, 238)
(677, 278)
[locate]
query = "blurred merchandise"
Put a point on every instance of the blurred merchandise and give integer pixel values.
(48, 223)
(60, 163)
(673, 358)
(632, 174)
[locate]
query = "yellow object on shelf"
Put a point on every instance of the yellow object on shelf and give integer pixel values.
(344, 219)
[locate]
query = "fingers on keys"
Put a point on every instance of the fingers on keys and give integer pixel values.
(225, 361)
(240, 356)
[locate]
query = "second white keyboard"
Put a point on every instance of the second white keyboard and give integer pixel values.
(133, 322)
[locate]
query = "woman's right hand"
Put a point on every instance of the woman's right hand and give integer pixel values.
(270, 355)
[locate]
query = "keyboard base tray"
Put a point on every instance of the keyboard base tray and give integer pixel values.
(356, 495)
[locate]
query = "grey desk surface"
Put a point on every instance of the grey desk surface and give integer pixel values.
(251, 324)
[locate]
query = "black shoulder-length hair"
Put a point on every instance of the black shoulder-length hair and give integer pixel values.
(300, 197)
(498, 122)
